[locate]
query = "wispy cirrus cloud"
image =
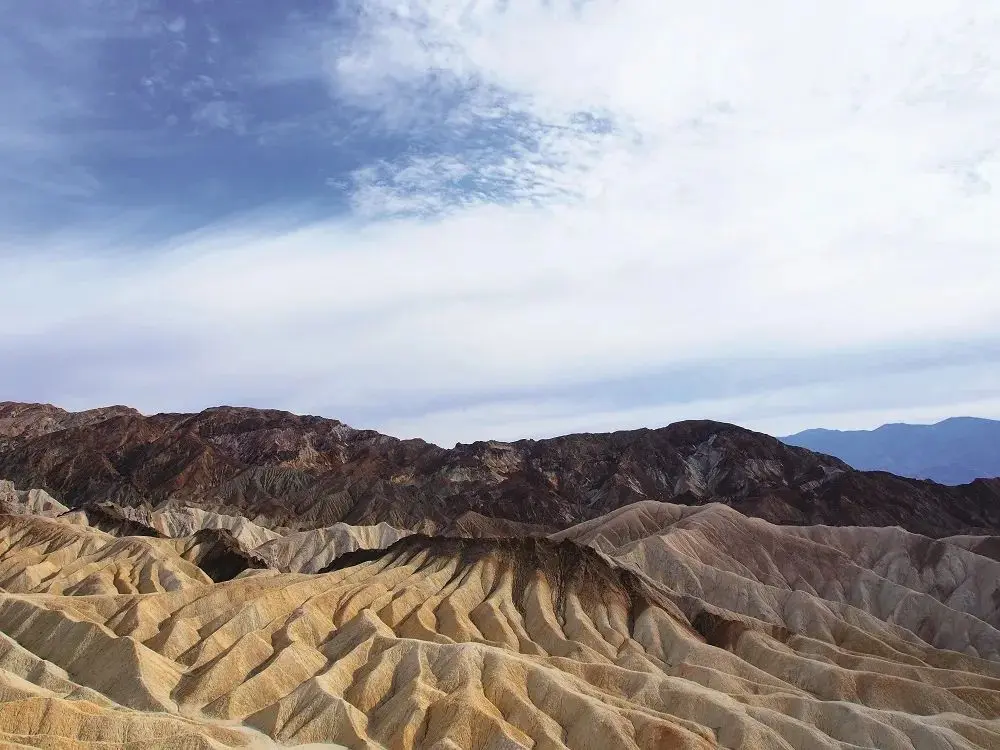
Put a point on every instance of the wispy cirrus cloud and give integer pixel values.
(709, 100)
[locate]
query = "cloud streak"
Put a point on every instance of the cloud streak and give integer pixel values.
(578, 199)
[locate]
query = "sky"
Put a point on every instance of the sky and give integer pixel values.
(464, 219)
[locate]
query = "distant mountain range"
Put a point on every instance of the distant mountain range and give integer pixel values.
(955, 451)
(295, 473)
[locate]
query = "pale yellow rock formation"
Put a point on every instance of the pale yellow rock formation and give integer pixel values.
(309, 551)
(31, 502)
(676, 627)
(180, 522)
(39, 555)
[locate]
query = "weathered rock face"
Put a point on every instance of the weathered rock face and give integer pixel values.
(296, 472)
(34, 502)
(654, 626)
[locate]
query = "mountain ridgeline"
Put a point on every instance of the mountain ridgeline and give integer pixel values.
(293, 473)
(955, 451)
(242, 579)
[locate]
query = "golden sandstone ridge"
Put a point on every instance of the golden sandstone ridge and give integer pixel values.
(654, 626)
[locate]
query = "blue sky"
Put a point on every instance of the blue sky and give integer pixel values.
(471, 220)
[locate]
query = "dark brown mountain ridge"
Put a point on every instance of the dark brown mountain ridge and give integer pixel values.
(296, 472)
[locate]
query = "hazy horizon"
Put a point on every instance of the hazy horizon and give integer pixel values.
(538, 435)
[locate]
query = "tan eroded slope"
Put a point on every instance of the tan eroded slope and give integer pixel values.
(179, 522)
(309, 551)
(40, 555)
(299, 552)
(879, 580)
(31, 502)
(691, 628)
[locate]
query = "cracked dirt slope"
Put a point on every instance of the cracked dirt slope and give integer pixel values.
(654, 626)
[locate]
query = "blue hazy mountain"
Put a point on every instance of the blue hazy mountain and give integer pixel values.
(954, 451)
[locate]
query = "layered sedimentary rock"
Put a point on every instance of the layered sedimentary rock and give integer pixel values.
(33, 502)
(657, 625)
(286, 472)
(244, 578)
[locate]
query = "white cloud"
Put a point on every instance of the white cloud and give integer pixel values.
(766, 180)
(848, 119)
(922, 396)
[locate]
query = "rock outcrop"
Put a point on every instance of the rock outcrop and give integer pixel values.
(32, 502)
(286, 472)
